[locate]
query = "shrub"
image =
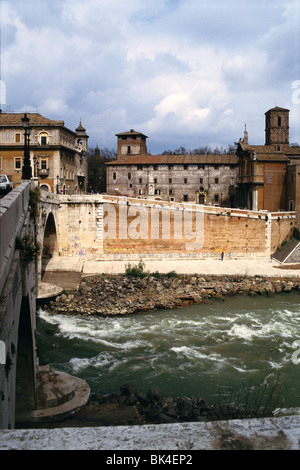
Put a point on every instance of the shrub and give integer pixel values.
(136, 271)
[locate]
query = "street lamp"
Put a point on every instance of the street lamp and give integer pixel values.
(26, 169)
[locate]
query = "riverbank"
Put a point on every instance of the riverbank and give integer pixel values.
(108, 295)
(134, 408)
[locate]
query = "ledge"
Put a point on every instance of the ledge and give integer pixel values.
(281, 433)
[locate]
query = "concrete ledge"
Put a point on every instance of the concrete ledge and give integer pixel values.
(258, 434)
(47, 291)
(59, 395)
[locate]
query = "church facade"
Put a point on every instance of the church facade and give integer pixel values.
(268, 173)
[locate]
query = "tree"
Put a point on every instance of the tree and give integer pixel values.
(97, 158)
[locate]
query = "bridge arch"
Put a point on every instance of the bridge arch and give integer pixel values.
(49, 241)
(25, 398)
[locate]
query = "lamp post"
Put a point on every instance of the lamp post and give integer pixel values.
(26, 169)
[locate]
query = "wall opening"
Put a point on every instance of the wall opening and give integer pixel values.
(50, 244)
(25, 376)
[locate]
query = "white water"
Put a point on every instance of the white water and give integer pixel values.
(194, 351)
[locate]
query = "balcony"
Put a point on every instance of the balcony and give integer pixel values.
(43, 172)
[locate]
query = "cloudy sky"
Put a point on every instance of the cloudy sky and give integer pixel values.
(184, 72)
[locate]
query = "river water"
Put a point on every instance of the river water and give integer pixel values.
(209, 350)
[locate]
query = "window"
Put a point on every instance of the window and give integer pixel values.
(18, 163)
(170, 180)
(129, 176)
(140, 192)
(18, 138)
(185, 167)
(155, 167)
(140, 180)
(269, 179)
(44, 165)
(231, 181)
(201, 180)
(185, 180)
(216, 198)
(140, 167)
(128, 149)
(216, 180)
(43, 138)
(157, 192)
(185, 197)
(114, 176)
(170, 167)
(155, 180)
(279, 121)
(170, 192)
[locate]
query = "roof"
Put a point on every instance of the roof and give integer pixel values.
(268, 152)
(277, 108)
(35, 120)
(225, 159)
(131, 132)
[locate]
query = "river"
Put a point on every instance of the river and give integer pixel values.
(211, 350)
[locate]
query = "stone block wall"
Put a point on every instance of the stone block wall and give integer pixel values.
(111, 225)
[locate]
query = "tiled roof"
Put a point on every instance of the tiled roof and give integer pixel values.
(177, 160)
(35, 120)
(268, 152)
(131, 132)
(277, 108)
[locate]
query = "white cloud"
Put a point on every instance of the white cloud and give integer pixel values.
(191, 72)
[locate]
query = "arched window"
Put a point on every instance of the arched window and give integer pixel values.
(43, 138)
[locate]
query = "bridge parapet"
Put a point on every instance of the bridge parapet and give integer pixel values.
(13, 212)
(17, 307)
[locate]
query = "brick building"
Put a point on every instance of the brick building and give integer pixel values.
(268, 178)
(58, 155)
(204, 179)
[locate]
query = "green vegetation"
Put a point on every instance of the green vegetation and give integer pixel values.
(255, 401)
(28, 247)
(139, 271)
(34, 202)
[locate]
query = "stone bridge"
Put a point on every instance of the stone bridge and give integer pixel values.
(26, 390)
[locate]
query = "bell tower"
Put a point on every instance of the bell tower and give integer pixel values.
(277, 126)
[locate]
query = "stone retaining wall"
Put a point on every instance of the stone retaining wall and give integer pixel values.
(113, 226)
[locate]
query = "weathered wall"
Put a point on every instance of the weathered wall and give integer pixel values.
(103, 225)
(17, 308)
